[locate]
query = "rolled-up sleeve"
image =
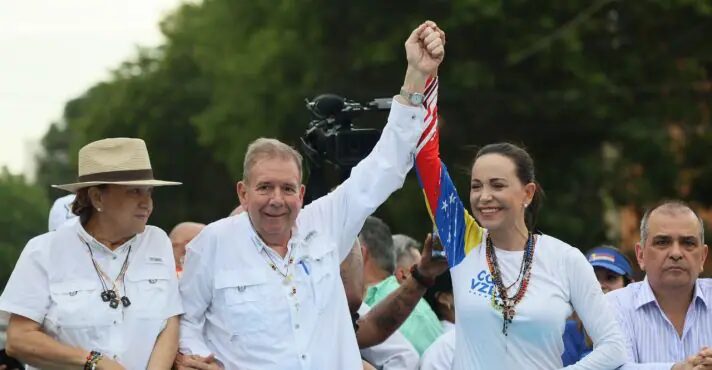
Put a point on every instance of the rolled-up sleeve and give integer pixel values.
(196, 293)
(27, 292)
(373, 180)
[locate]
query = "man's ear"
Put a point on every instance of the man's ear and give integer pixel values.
(445, 299)
(241, 189)
(639, 256)
(704, 257)
(401, 275)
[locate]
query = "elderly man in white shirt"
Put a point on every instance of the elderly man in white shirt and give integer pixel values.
(262, 290)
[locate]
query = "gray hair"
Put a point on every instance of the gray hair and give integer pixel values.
(269, 148)
(376, 237)
(668, 206)
(404, 245)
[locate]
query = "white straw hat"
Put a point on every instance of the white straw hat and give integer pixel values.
(120, 161)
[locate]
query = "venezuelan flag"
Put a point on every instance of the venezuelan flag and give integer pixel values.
(458, 230)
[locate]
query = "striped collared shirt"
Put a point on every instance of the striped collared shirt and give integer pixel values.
(652, 341)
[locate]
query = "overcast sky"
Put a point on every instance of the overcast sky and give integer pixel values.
(53, 50)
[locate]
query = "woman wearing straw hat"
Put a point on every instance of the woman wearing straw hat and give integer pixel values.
(100, 294)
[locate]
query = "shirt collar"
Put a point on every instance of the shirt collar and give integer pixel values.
(447, 326)
(700, 294)
(85, 237)
(372, 290)
(645, 295)
(297, 238)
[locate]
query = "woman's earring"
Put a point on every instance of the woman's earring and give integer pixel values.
(98, 209)
(526, 205)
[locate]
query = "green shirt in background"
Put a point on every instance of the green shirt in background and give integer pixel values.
(421, 328)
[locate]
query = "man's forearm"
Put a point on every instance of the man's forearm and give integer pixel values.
(388, 315)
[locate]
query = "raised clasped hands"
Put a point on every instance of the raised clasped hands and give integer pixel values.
(425, 49)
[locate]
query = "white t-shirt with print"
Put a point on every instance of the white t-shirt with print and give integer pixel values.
(560, 276)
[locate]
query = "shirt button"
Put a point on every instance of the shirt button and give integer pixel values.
(114, 322)
(412, 117)
(304, 357)
(296, 326)
(115, 257)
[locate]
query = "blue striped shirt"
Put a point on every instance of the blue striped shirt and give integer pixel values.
(652, 341)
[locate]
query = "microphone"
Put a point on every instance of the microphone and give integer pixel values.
(327, 105)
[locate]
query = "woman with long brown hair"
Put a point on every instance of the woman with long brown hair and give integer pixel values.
(513, 287)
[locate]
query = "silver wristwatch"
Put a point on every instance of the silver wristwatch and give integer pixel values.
(414, 98)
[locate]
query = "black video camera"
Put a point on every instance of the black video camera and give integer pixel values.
(331, 138)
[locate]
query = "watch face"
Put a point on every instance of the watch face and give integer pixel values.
(416, 98)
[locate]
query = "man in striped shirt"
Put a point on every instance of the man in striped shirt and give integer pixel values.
(667, 318)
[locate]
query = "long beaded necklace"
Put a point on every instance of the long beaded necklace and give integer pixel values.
(507, 304)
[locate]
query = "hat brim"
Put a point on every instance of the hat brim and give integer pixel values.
(79, 185)
(610, 266)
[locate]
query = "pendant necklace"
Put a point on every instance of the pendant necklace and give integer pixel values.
(111, 296)
(286, 274)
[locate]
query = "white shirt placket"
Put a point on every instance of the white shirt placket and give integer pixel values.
(111, 263)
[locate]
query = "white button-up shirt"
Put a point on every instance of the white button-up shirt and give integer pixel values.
(239, 308)
(652, 340)
(440, 354)
(55, 284)
(395, 353)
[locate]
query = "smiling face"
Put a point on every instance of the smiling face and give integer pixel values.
(497, 196)
(272, 196)
(674, 254)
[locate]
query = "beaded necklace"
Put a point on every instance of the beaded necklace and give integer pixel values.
(506, 304)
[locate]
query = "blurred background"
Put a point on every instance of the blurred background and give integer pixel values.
(612, 98)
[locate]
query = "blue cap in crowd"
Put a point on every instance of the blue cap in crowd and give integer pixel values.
(610, 259)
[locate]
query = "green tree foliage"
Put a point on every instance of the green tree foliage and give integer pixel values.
(611, 98)
(154, 99)
(24, 216)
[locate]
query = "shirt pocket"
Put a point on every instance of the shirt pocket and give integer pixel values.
(249, 300)
(148, 288)
(75, 302)
(324, 272)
